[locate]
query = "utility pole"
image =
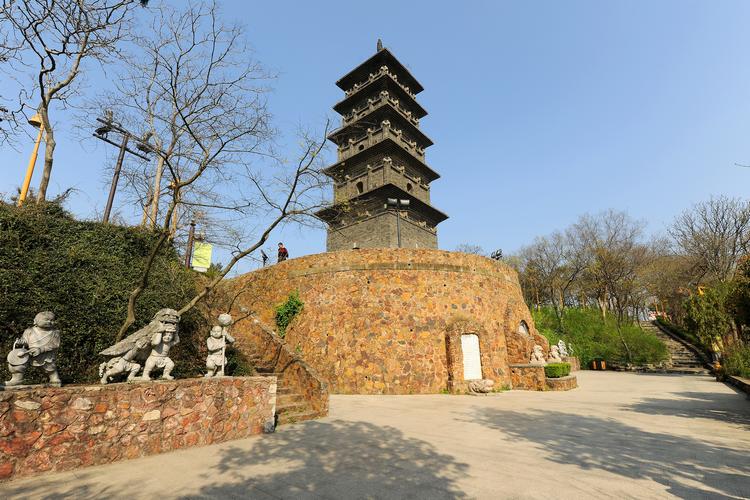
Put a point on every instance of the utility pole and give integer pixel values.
(191, 238)
(109, 126)
(115, 178)
(393, 202)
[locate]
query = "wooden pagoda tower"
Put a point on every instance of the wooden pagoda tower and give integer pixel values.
(381, 181)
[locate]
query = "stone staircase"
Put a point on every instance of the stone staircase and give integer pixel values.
(684, 358)
(291, 406)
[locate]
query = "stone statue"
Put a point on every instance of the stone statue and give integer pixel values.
(131, 352)
(562, 348)
(217, 344)
(554, 355)
(37, 347)
(537, 357)
(482, 386)
(161, 343)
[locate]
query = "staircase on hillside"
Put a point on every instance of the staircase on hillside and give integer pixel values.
(683, 356)
(291, 406)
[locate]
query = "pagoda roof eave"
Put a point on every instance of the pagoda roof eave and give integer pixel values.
(387, 191)
(383, 56)
(432, 175)
(420, 136)
(341, 106)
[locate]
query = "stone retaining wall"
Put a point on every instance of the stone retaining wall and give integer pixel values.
(528, 377)
(275, 353)
(55, 429)
(382, 320)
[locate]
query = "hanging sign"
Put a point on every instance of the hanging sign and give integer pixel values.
(201, 260)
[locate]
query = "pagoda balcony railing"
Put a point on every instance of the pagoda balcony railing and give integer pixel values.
(376, 135)
(385, 163)
(358, 216)
(383, 71)
(383, 99)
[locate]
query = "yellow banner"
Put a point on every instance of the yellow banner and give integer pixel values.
(201, 256)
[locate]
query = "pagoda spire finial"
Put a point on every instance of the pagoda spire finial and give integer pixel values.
(380, 45)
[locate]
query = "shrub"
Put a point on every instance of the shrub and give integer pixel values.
(286, 312)
(83, 272)
(557, 370)
(736, 361)
(594, 337)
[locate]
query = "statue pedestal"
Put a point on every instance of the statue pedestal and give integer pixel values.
(4, 387)
(575, 364)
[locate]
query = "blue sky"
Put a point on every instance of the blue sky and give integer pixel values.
(540, 110)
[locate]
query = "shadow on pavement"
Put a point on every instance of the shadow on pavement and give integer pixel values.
(688, 467)
(336, 459)
(731, 408)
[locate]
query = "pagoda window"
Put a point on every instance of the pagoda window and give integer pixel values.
(409, 187)
(360, 187)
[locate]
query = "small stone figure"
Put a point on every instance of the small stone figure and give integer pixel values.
(37, 347)
(123, 364)
(161, 343)
(133, 351)
(482, 386)
(537, 357)
(554, 355)
(216, 343)
(562, 348)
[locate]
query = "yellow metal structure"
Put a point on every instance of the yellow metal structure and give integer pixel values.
(36, 121)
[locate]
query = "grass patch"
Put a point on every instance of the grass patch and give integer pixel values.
(595, 337)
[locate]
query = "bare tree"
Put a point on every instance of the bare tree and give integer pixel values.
(551, 265)
(714, 234)
(470, 248)
(201, 97)
(53, 41)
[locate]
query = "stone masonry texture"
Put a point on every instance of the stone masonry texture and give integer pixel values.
(55, 429)
(388, 321)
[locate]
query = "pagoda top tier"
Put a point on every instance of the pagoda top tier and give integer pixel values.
(383, 57)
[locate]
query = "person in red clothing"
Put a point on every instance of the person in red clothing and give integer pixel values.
(283, 253)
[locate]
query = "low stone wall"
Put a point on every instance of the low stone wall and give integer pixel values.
(740, 383)
(562, 383)
(575, 364)
(56, 429)
(528, 377)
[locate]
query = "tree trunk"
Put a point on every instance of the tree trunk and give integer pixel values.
(157, 191)
(49, 153)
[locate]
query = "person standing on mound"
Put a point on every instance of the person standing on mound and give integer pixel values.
(283, 253)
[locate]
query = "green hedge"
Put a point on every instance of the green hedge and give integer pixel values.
(595, 337)
(83, 272)
(557, 370)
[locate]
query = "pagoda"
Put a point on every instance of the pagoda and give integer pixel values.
(381, 193)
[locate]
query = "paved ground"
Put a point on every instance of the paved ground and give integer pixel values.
(620, 435)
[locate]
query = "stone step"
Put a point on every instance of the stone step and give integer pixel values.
(291, 418)
(298, 407)
(289, 397)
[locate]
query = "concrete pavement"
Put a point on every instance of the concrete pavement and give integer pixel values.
(620, 435)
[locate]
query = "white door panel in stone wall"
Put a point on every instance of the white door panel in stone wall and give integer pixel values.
(472, 360)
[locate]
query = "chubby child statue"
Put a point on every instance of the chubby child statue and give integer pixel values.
(216, 343)
(37, 347)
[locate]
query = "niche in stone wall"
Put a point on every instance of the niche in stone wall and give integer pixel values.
(523, 329)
